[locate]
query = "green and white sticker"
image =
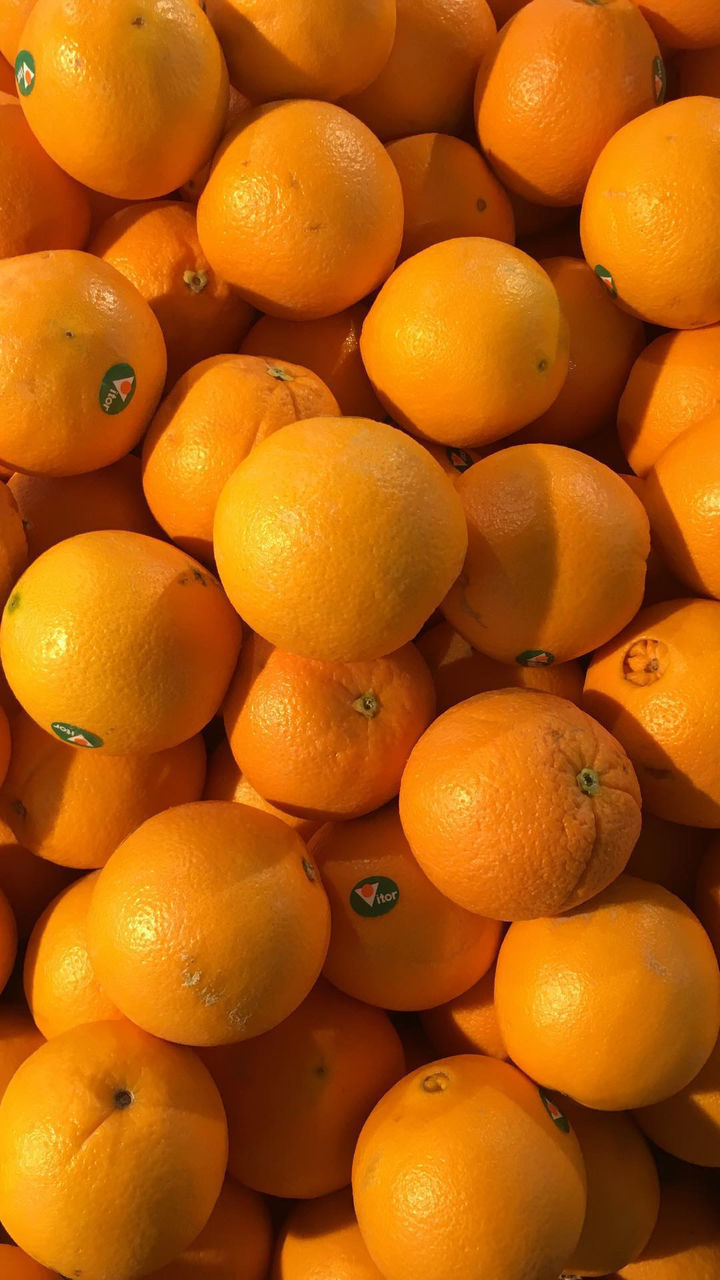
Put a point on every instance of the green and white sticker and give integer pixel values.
(554, 1112)
(374, 896)
(659, 80)
(25, 73)
(606, 277)
(535, 658)
(77, 737)
(117, 388)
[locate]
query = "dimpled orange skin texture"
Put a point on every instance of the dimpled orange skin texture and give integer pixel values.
(60, 986)
(427, 82)
(337, 538)
(321, 1240)
(297, 1097)
(96, 1184)
(683, 24)
(448, 191)
(191, 875)
(293, 52)
(459, 671)
(42, 207)
(557, 554)
(466, 342)
(235, 1244)
(648, 216)
(330, 347)
(461, 1171)
(567, 71)
(682, 493)
(302, 210)
(226, 782)
(19, 1037)
(686, 1240)
(153, 74)
(623, 1190)
(123, 636)
(13, 543)
(57, 507)
(155, 246)
(326, 739)
(688, 1124)
(16, 1265)
(423, 951)
(656, 687)
(12, 20)
(74, 807)
(673, 385)
(211, 420)
(66, 320)
(633, 967)
(29, 883)
(604, 342)
(467, 1024)
(517, 804)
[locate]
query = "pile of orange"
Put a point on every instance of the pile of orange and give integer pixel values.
(360, 640)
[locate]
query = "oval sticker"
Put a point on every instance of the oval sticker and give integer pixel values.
(25, 73)
(117, 388)
(77, 737)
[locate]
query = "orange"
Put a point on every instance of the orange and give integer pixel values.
(114, 1148)
(466, 1168)
(8, 940)
(617, 1003)
(117, 641)
(41, 207)
(556, 557)
(211, 420)
(57, 507)
(295, 52)
(656, 246)
(448, 191)
(321, 1240)
(656, 687)
(707, 893)
(604, 342)
(337, 538)
(164, 931)
(155, 246)
(13, 543)
(699, 72)
(427, 82)
(517, 804)
(60, 986)
(395, 941)
(12, 20)
(302, 210)
(19, 1037)
(660, 583)
(16, 1265)
(236, 1243)
(459, 671)
(674, 384)
(669, 855)
(191, 190)
(226, 782)
(80, 334)
(74, 807)
(28, 882)
(297, 1097)
(330, 347)
(151, 74)
(688, 1124)
(686, 1241)
(467, 1024)
(466, 342)
(326, 739)
(682, 492)
(683, 24)
(622, 1188)
(555, 85)
(103, 207)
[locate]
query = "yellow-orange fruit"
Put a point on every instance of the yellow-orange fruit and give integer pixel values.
(467, 1024)
(688, 1124)
(682, 494)
(41, 207)
(226, 782)
(683, 24)
(19, 1037)
(686, 1240)
(235, 1243)
(321, 1240)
